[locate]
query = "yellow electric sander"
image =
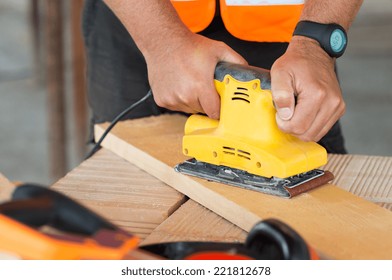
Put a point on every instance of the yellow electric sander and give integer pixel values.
(245, 148)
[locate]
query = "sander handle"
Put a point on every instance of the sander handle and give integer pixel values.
(243, 73)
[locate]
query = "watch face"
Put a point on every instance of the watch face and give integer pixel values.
(338, 40)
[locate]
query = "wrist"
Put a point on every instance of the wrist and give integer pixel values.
(164, 42)
(332, 38)
(308, 47)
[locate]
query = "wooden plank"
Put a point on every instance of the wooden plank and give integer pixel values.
(324, 217)
(121, 192)
(205, 226)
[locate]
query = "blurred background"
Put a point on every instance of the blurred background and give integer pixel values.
(44, 114)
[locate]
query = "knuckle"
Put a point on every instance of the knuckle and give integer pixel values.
(320, 94)
(221, 44)
(299, 130)
(306, 138)
(291, 127)
(343, 108)
(214, 115)
(185, 98)
(281, 98)
(276, 68)
(165, 102)
(279, 95)
(159, 101)
(189, 96)
(336, 101)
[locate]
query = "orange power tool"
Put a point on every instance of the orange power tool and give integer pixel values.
(42, 224)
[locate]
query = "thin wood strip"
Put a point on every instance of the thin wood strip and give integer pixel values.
(325, 216)
(142, 226)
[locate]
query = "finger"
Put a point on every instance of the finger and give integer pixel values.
(210, 102)
(304, 115)
(179, 102)
(327, 125)
(283, 94)
(319, 124)
(188, 100)
(324, 120)
(232, 56)
(200, 96)
(319, 127)
(183, 108)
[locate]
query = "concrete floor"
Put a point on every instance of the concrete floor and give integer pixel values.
(365, 72)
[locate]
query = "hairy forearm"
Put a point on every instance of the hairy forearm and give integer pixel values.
(341, 12)
(151, 23)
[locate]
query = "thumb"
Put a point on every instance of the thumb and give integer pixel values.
(283, 94)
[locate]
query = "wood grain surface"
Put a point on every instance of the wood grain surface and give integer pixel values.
(193, 222)
(369, 177)
(121, 192)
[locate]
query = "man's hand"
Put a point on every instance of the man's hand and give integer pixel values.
(307, 72)
(180, 64)
(181, 74)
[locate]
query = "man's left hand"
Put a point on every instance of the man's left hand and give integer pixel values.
(307, 72)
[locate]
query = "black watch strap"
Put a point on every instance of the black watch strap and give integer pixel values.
(331, 37)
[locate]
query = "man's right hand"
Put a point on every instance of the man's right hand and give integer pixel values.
(180, 64)
(181, 74)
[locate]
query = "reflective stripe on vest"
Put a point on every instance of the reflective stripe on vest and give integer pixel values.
(250, 20)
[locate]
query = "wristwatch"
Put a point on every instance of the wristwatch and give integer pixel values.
(331, 37)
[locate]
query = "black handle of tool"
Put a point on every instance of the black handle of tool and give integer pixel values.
(243, 73)
(277, 240)
(36, 206)
(268, 240)
(31, 212)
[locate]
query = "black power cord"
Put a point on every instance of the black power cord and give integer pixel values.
(97, 145)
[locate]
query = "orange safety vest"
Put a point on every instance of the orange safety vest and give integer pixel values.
(250, 20)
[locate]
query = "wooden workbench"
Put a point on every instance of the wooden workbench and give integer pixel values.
(141, 204)
(156, 212)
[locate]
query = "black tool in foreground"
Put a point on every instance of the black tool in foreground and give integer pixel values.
(79, 233)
